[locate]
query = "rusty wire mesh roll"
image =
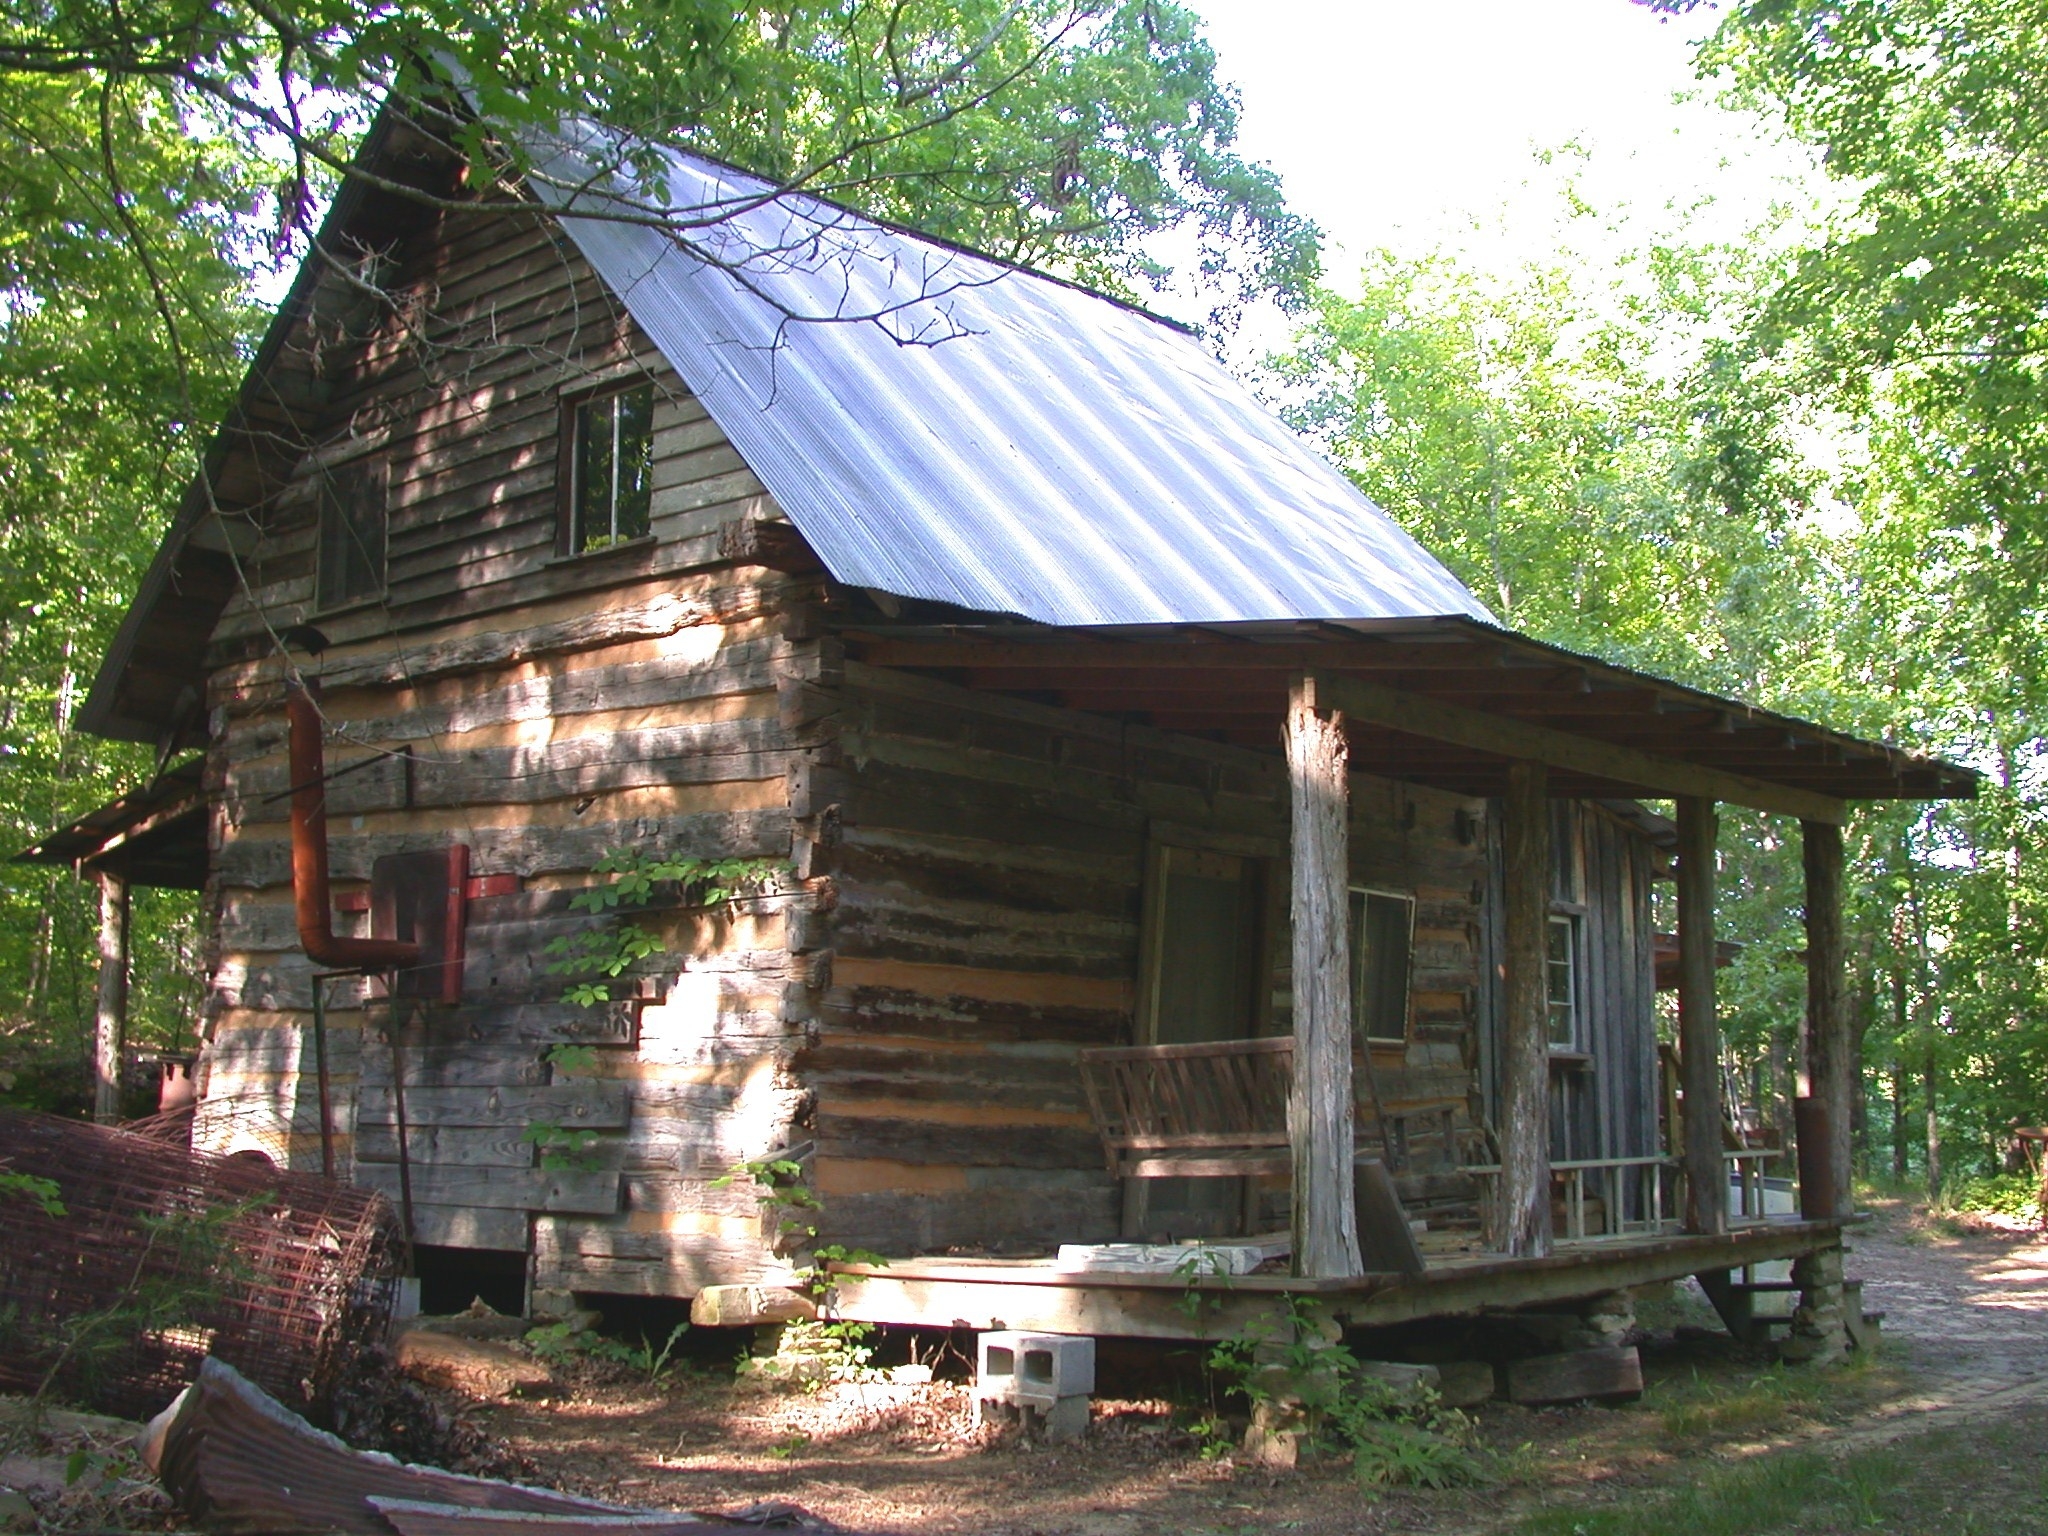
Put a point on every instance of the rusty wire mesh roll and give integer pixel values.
(163, 1255)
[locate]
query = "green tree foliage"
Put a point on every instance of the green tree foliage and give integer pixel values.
(100, 412)
(1924, 314)
(1805, 472)
(1582, 450)
(1059, 132)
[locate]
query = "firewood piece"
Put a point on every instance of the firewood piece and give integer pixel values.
(729, 1306)
(1465, 1383)
(1576, 1376)
(477, 1367)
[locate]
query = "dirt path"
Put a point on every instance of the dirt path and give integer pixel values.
(1965, 1310)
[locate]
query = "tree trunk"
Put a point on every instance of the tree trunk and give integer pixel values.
(1522, 1211)
(1319, 1110)
(110, 1015)
(1699, 1035)
(1860, 1003)
(1834, 1069)
(1901, 1016)
(1933, 1126)
(1898, 1120)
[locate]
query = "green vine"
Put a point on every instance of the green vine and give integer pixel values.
(596, 957)
(781, 1190)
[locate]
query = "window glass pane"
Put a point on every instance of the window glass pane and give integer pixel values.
(1561, 983)
(351, 560)
(1381, 937)
(614, 467)
(636, 460)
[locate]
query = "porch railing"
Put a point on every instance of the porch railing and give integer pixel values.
(1218, 1109)
(1607, 1198)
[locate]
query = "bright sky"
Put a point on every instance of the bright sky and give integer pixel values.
(1405, 122)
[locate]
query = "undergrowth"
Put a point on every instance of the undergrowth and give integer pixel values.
(1394, 1436)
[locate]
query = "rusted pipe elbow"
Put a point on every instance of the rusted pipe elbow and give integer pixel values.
(310, 894)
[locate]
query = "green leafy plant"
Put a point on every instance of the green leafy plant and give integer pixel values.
(572, 1060)
(1394, 1436)
(563, 1148)
(594, 958)
(780, 1190)
(560, 1342)
(2016, 1196)
(34, 1188)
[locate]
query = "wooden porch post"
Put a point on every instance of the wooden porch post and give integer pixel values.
(110, 1015)
(1522, 1213)
(1319, 1110)
(1699, 1034)
(1830, 1054)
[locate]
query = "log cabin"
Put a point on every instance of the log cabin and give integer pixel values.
(1143, 837)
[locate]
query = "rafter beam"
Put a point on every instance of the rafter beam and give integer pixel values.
(1371, 704)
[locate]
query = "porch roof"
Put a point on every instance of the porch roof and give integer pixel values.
(1446, 702)
(154, 835)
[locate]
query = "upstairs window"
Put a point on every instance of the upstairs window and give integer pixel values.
(611, 469)
(1382, 944)
(352, 530)
(1561, 982)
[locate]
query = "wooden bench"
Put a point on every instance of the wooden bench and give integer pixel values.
(1218, 1109)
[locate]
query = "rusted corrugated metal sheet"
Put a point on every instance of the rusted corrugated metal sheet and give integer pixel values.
(235, 1459)
(939, 425)
(232, 1456)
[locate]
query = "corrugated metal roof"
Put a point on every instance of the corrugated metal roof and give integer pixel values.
(940, 425)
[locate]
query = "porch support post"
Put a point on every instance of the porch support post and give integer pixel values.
(1699, 1034)
(1830, 1045)
(1522, 1213)
(1319, 1109)
(110, 1014)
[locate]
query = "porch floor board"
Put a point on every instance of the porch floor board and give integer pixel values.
(984, 1294)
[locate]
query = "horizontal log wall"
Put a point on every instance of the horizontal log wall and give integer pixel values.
(542, 711)
(989, 860)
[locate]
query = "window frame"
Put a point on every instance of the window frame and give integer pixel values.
(568, 460)
(374, 472)
(1358, 1025)
(1570, 920)
(1254, 873)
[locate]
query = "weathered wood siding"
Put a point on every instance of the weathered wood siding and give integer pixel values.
(989, 867)
(541, 710)
(1602, 869)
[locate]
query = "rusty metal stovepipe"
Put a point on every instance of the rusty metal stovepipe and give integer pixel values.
(310, 894)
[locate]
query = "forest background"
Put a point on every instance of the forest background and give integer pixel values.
(1805, 467)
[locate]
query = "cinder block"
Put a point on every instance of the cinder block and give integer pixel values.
(1034, 1370)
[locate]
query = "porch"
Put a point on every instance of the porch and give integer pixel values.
(1279, 1099)
(1037, 1295)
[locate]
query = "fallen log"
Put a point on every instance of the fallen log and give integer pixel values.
(477, 1367)
(1578, 1375)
